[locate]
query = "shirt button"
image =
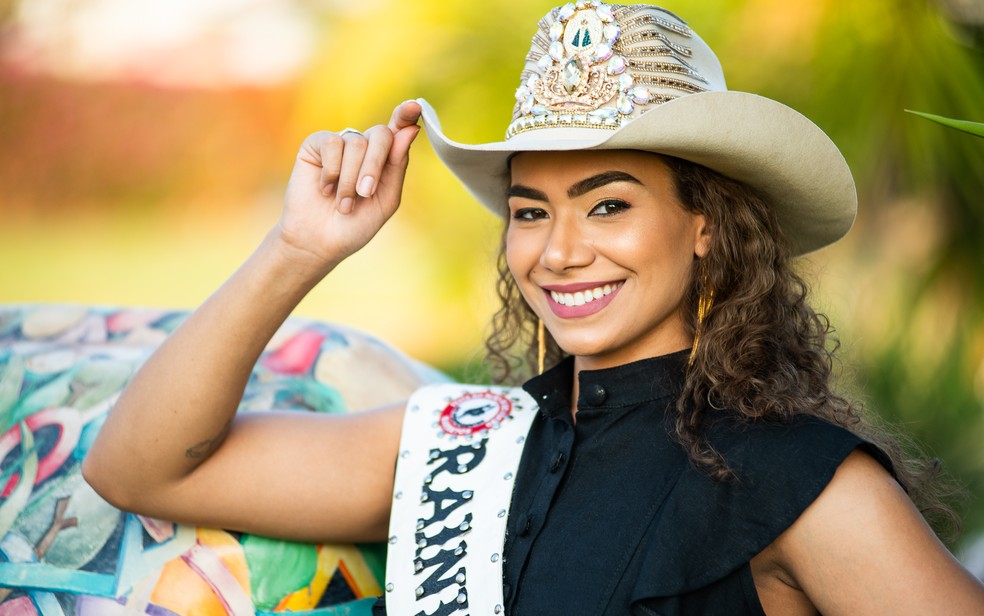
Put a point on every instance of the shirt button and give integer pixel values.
(558, 462)
(594, 394)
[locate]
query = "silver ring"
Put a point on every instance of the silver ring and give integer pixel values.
(350, 131)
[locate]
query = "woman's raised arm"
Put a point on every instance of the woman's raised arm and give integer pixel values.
(173, 446)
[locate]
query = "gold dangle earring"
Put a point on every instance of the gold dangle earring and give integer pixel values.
(541, 345)
(704, 302)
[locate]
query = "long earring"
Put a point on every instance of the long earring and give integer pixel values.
(704, 303)
(541, 345)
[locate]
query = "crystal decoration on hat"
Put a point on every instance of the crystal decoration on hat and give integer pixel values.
(598, 65)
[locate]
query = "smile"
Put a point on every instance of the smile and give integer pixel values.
(580, 298)
(573, 301)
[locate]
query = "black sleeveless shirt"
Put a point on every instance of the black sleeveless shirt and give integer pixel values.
(610, 517)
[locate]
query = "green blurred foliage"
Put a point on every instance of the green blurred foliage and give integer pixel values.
(972, 128)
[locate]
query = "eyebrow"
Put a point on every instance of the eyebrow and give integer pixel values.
(578, 188)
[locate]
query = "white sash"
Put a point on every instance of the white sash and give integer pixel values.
(459, 451)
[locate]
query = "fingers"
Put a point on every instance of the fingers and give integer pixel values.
(377, 152)
(406, 114)
(328, 149)
(391, 182)
(403, 124)
(351, 163)
(352, 154)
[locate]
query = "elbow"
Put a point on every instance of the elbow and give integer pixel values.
(124, 487)
(103, 483)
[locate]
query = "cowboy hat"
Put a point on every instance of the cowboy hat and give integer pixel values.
(607, 77)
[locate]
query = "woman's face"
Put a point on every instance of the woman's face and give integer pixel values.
(602, 250)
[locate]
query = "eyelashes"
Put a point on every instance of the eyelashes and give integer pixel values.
(606, 208)
(610, 207)
(529, 213)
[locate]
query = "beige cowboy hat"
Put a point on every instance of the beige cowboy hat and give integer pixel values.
(605, 77)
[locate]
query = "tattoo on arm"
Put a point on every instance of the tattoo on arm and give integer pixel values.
(206, 447)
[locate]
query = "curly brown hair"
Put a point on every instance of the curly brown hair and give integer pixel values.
(764, 353)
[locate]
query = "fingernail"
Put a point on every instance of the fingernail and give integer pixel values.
(345, 206)
(328, 189)
(365, 186)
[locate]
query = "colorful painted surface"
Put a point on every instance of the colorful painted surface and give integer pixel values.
(65, 551)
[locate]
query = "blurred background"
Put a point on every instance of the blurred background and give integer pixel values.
(144, 148)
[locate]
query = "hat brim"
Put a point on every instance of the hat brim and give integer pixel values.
(765, 144)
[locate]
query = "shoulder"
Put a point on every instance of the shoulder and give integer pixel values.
(779, 468)
(862, 547)
(715, 527)
(807, 446)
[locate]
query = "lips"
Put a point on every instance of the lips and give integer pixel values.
(581, 300)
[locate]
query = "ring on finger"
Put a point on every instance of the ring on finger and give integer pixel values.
(350, 131)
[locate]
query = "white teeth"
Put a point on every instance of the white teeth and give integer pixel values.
(583, 297)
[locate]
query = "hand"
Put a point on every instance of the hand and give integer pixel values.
(344, 187)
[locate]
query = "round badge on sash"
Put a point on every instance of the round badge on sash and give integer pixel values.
(475, 412)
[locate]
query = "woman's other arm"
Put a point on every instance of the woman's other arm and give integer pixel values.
(863, 548)
(173, 446)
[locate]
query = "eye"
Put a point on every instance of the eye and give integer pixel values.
(529, 213)
(609, 207)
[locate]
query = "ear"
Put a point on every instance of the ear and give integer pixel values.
(702, 236)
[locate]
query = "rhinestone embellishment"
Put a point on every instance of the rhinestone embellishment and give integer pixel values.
(590, 70)
(573, 78)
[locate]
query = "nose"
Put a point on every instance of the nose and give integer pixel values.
(566, 246)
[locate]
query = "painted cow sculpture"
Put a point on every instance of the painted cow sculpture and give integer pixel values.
(64, 551)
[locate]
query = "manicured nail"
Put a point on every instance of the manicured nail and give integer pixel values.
(345, 206)
(365, 186)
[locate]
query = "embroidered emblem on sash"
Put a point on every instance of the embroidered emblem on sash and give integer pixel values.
(451, 497)
(475, 412)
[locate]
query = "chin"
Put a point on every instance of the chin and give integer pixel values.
(585, 348)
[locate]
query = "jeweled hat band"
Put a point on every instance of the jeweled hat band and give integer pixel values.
(598, 65)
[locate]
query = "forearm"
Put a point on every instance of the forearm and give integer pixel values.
(180, 405)
(159, 442)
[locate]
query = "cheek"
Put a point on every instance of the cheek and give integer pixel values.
(521, 254)
(522, 257)
(512, 253)
(662, 246)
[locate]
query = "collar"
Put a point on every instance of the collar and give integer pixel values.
(630, 384)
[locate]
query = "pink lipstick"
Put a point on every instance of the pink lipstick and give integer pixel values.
(572, 301)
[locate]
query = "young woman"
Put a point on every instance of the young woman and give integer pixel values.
(685, 454)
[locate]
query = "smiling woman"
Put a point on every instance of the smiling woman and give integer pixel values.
(684, 454)
(584, 221)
